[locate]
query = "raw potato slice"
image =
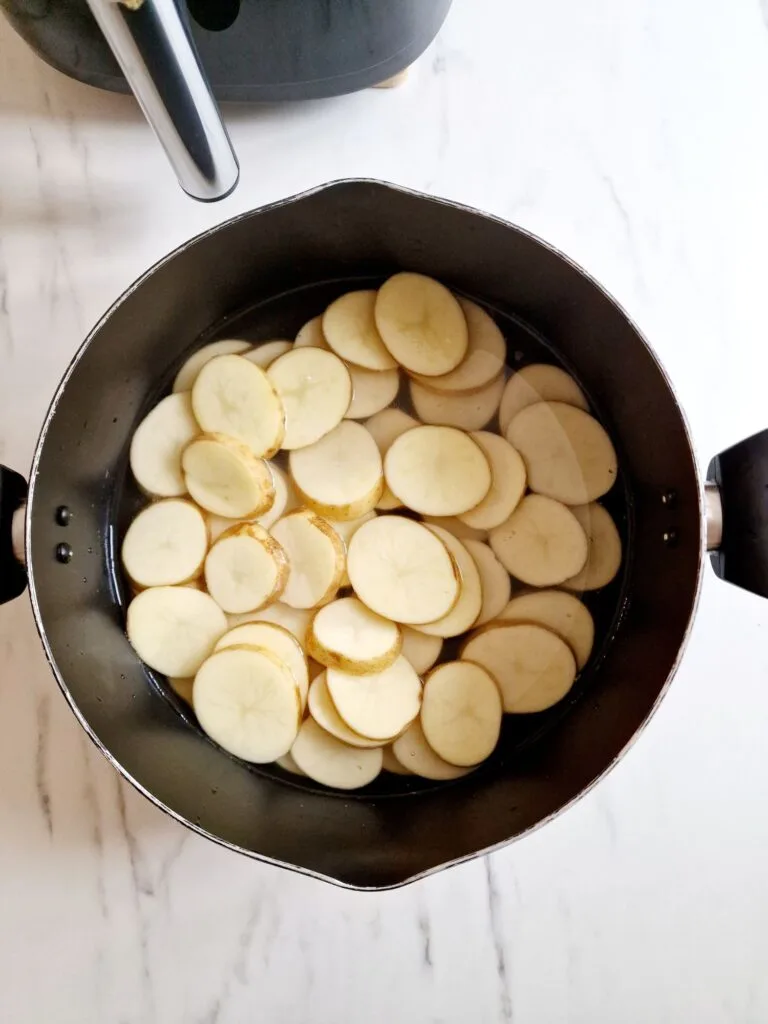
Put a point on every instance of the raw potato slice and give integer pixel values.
(315, 554)
(494, 581)
(182, 688)
(265, 353)
(559, 612)
(421, 324)
(295, 620)
(350, 329)
(233, 396)
(286, 762)
(165, 544)
(347, 635)
(247, 701)
(324, 712)
(467, 412)
(285, 500)
(391, 764)
(372, 391)
(315, 389)
(542, 542)
(279, 641)
(457, 527)
(346, 530)
(340, 476)
(604, 542)
(174, 629)
(485, 358)
(461, 713)
(157, 445)
(437, 471)
(420, 649)
(329, 761)
(377, 706)
(225, 478)
(567, 454)
(533, 666)
(246, 569)
(402, 571)
(539, 382)
(187, 375)
(464, 613)
(415, 754)
(384, 428)
(311, 335)
(507, 482)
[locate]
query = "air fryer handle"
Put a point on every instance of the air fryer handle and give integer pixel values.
(13, 496)
(155, 50)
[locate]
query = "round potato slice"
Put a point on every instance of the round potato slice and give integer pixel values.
(568, 456)
(421, 324)
(247, 701)
(311, 335)
(187, 375)
(464, 613)
(379, 705)
(420, 649)
(346, 634)
(415, 754)
(467, 412)
(533, 666)
(484, 361)
(437, 471)
(494, 581)
(279, 641)
(340, 476)
(315, 389)
(604, 542)
(225, 478)
(264, 353)
(461, 713)
(542, 542)
(233, 396)
(372, 391)
(402, 571)
(165, 544)
(315, 554)
(350, 329)
(295, 620)
(324, 712)
(287, 763)
(538, 382)
(246, 569)
(174, 629)
(332, 763)
(508, 481)
(158, 443)
(558, 612)
(384, 427)
(389, 763)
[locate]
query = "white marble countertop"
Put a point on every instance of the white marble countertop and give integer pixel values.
(635, 137)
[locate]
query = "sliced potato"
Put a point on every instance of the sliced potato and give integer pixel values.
(421, 324)
(285, 500)
(247, 701)
(182, 688)
(277, 639)
(174, 629)
(542, 542)
(346, 530)
(415, 754)
(420, 649)
(604, 542)
(311, 335)
(157, 445)
(464, 613)
(295, 620)
(372, 391)
(187, 375)
(165, 544)
(286, 762)
(384, 427)
(233, 396)
(340, 476)
(508, 481)
(315, 554)
(329, 761)
(494, 581)
(324, 712)
(380, 705)
(264, 353)
(457, 527)
(225, 478)
(467, 412)
(346, 634)
(315, 389)
(350, 329)
(438, 471)
(389, 763)
(538, 382)
(558, 612)
(402, 571)
(461, 713)
(534, 667)
(246, 569)
(484, 361)
(567, 453)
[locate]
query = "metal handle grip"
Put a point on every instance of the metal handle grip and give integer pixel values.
(13, 495)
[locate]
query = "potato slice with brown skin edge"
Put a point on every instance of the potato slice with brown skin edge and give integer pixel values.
(461, 713)
(538, 382)
(350, 329)
(246, 569)
(604, 542)
(315, 389)
(340, 476)
(508, 481)
(332, 763)
(158, 443)
(494, 581)
(421, 324)
(323, 710)
(233, 396)
(542, 542)
(466, 412)
(379, 705)
(225, 478)
(559, 612)
(415, 754)
(485, 358)
(345, 634)
(464, 613)
(165, 544)
(279, 641)
(420, 649)
(372, 391)
(187, 375)
(174, 629)
(315, 554)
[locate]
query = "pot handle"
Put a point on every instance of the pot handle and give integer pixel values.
(736, 495)
(13, 496)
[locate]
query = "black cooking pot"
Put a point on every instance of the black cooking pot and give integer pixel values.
(276, 267)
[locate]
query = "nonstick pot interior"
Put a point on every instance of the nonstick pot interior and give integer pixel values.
(264, 274)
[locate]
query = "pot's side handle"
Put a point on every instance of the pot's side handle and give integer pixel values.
(737, 492)
(13, 495)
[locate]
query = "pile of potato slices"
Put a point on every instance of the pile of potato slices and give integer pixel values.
(363, 547)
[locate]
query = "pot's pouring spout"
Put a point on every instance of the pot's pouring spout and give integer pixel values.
(156, 53)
